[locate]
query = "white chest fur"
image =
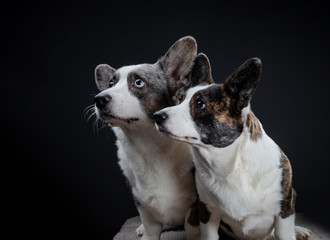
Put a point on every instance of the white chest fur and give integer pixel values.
(242, 183)
(159, 171)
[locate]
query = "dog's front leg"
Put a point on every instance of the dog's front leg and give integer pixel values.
(285, 229)
(152, 228)
(209, 230)
(192, 225)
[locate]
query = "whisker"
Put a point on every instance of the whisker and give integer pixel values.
(91, 115)
(103, 126)
(89, 112)
(88, 108)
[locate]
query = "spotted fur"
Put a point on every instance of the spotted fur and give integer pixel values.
(289, 194)
(254, 127)
(242, 176)
(157, 169)
(215, 123)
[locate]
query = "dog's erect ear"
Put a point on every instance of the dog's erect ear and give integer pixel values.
(103, 74)
(178, 61)
(242, 83)
(201, 71)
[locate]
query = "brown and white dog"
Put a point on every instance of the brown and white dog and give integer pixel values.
(244, 180)
(158, 169)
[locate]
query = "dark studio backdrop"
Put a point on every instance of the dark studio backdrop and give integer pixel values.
(60, 175)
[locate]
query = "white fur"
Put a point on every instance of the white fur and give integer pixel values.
(182, 124)
(123, 103)
(240, 183)
(158, 168)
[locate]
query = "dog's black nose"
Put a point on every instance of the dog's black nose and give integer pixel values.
(160, 117)
(102, 100)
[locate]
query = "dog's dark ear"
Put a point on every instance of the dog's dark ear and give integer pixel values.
(178, 61)
(243, 82)
(103, 74)
(201, 71)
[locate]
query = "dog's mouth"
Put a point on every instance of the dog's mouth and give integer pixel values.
(111, 118)
(180, 138)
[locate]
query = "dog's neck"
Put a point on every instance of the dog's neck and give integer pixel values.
(145, 137)
(219, 159)
(246, 153)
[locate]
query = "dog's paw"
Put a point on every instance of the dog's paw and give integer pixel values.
(139, 231)
(302, 233)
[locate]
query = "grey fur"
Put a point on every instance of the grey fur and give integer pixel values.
(155, 95)
(165, 80)
(103, 74)
(178, 62)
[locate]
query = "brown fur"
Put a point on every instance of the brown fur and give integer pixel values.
(289, 194)
(215, 122)
(223, 109)
(254, 126)
(199, 213)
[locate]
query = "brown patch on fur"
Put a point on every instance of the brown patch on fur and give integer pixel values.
(221, 109)
(254, 126)
(199, 213)
(289, 194)
(215, 122)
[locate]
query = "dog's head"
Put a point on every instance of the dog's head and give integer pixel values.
(132, 94)
(212, 115)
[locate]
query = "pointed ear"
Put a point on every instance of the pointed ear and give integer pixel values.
(178, 61)
(201, 71)
(103, 74)
(241, 84)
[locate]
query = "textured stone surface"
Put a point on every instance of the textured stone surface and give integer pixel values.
(127, 231)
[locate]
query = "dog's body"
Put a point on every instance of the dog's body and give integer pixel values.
(158, 170)
(159, 174)
(243, 178)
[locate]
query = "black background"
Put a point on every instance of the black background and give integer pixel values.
(60, 175)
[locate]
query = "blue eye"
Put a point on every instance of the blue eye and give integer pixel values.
(111, 83)
(139, 83)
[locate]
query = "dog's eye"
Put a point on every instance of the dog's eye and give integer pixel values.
(139, 83)
(111, 83)
(200, 104)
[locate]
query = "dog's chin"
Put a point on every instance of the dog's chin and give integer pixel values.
(166, 132)
(116, 121)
